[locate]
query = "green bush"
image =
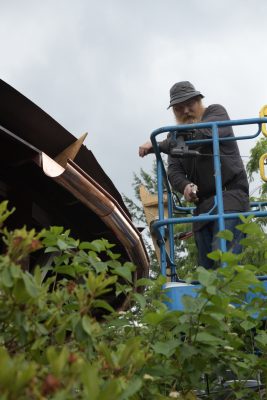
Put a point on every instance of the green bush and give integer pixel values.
(55, 346)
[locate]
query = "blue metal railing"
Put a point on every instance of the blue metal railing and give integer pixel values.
(163, 225)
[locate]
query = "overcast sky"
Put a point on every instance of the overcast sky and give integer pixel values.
(106, 66)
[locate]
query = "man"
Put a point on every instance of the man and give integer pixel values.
(194, 176)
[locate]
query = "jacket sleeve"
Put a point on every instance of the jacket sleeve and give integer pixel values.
(165, 145)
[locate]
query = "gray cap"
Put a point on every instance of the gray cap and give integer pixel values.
(181, 92)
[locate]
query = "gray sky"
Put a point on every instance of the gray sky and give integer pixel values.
(106, 66)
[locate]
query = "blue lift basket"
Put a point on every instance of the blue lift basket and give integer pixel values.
(164, 227)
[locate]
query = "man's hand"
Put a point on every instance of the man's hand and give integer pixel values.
(190, 193)
(145, 149)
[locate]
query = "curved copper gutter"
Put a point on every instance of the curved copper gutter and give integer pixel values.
(93, 196)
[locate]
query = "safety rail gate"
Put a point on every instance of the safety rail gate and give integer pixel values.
(164, 227)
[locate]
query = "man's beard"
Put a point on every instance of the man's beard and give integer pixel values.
(188, 119)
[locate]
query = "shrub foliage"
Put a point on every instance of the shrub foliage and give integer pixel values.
(52, 346)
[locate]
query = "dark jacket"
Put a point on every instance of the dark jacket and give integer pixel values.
(200, 169)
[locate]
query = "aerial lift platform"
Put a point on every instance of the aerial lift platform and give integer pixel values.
(166, 210)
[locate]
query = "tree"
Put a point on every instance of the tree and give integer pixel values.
(186, 253)
(252, 167)
(137, 212)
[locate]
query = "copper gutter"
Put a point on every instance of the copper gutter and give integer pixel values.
(93, 196)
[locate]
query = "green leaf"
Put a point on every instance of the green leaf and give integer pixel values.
(4, 212)
(113, 256)
(6, 379)
(230, 257)
(113, 263)
(87, 246)
(62, 244)
(66, 269)
(205, 277)
(31, 289)
(106, 352)
(19, 292)
(251, 228)
(124, 272)
(102, 304)
(192, 304)
(60, 336)
(133, 386)
(87, 325)
(215, 255)
(166, 348)
(91, 382)
(140, 299)
(154, 318)
(6, 278)
(15, 271)
(24, 376)
(96, 245)
(245, 220)
(57, 359)
(247, 325)
(187, 351)
(42, 329)
(51, 249)
(100, 266)
(111, 390)
(144, 282)
(261, 339)
(226, 234)
(208, 338)
(211, 289)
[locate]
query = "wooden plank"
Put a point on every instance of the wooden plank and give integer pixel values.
(150, 205)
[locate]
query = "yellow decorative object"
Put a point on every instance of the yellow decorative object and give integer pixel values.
(263, 114)
(262, 167)
(70, 152)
